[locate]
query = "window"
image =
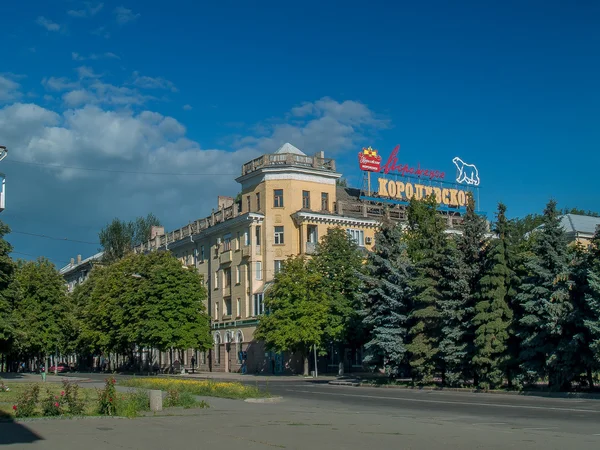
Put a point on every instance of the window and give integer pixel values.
(358, 236)
(278, 198)
(257, 236)
(238, 308)
(202, 253)
(324, 201)
(248, 202)
(227, 242)
(258, 270)
(238, 241)
(217, 245)
(278, 235)
(216, 280)
(228, 306)
(238, 275)
(259, 305)
(216, 310)
(227, 276)
(247, 237)
(258, 201)
(306, 199)
(278, 266)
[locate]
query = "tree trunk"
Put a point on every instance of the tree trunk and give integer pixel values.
(590, 378)
(306, 364)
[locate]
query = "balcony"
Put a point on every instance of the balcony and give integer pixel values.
(226, 291)
(246, 251)
(311, 248)
(225, 257)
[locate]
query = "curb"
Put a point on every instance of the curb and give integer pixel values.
(276, 399)
(565, 395)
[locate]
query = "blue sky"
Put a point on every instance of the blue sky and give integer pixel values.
(201, 87)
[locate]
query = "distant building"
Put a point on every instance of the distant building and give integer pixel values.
(579, 229)
(78, 271)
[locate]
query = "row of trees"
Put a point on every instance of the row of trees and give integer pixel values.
(475, 308)
(129, 302)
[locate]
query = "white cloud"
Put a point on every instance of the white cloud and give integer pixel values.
(101, 31)
(94, 56)
(86, 72)
(9, 89)
(124, 15)
(322, 125)
(59, 84)
(47, 24)
(145, 82)
(77, 98)
(90, 10)
(187, 107)
(91, 134)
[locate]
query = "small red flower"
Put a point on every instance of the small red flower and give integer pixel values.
(62, 393)
(56, 397)
(15, 407)
(56, 404)
(110, 399)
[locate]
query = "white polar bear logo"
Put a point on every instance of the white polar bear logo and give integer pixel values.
(467, 173)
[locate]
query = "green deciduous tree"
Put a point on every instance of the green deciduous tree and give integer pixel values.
(339, 261)
(545, 301)
(492, 312)
(119, 237)
(386, 299)
(148, 300)
(7, 271)
(297, 308)
(427, 246)
(41, 311)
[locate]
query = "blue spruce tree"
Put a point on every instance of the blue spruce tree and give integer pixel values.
(546, 305)
(385, 297)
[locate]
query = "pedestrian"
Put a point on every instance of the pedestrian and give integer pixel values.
(193, 363)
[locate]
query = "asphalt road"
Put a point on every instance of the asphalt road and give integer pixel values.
(314, 415)
(569, 415)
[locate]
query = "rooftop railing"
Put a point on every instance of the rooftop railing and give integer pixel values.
(275, 159)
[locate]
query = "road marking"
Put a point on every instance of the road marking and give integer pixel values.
(539, 428)
(490, 423)
(419, 400)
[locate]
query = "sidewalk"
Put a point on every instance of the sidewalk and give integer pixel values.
(251, 378)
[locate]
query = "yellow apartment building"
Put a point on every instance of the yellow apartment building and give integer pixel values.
(288, 201)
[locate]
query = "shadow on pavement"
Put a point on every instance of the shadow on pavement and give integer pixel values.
(12, 432)
(10, 375)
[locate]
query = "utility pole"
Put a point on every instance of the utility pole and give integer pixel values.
(3, 153)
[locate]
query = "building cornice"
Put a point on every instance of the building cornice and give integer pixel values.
(287, 169)
(302, 216)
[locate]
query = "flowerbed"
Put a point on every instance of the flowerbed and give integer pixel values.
(207, 388)
(22, 400)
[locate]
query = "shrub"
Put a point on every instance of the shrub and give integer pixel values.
(27, 401)
(73, 399)
(183, 398)
(51, 406)
(107, 398)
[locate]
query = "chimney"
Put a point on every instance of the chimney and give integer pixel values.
(225, 202)
(156, 231)
(78, 259)
(72, 261)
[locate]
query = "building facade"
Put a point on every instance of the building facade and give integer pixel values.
(288, 201)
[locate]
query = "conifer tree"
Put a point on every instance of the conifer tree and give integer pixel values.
(427, 244)
(592, 321)
(462, 272)
(545, 300)
(386, 298)
(492, 312)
